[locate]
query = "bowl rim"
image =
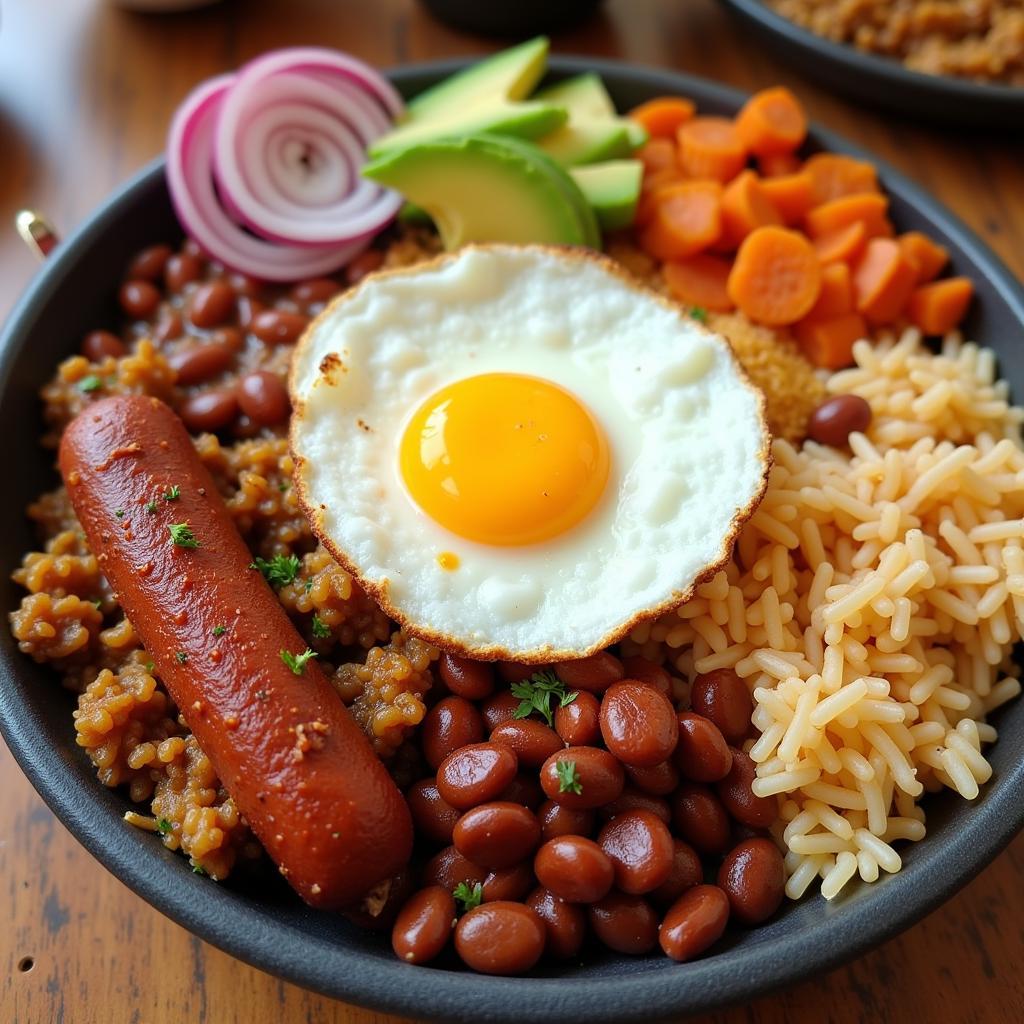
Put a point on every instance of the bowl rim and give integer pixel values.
(225, 918)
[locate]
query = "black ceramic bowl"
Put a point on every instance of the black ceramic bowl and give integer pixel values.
(258, 919)
(511, 17)
(882, 81)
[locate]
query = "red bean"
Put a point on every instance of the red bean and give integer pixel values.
(200, 362)
(513, 672)
(658, 780)
(644, 671)
(475, 774)
(564, 923)
(509, 883)
(753, 876)
(212, 304)
(97, 345)
(735, 793)
(149, 264)
(700, 818)
(500, 938)
(556, 820)
(594, 777)
(638, 724)
(169, 328)
(243, 284)
(448, 868)
(499, 708)
(424, 925)
(574, 868)
(687, 871)
(639, 845)
(209, 410)
(532, 741)
(231, 338)
(278, 327)
(702, 754)
(723, 697)
(248, 310)
(594, 674)
(450, 724)
(627, 924)
(182, 269)
(579, 722)
(264, 398)
(633, 800)
(432, 815)
(524, 789)
(314, 291)
(836, 418)
(695, 921)
(365, 263)
(497, 834)
(473, 680)
(139, 299)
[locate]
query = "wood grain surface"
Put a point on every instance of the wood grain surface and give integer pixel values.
(86, 92)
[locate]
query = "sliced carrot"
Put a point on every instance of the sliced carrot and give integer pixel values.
(869, 208)
(686, 219)
(790, 194)
(651, 185)
(835, 175)
(745, 207)
(771, 122)
(829, 343)
(846, 244)
(657, 155)
(663, 116)
(700, 281)
(710, 147)
(882, 281)
(776, 278)
(927, 256)
(836, 296)
(778, 165)
(938, 307)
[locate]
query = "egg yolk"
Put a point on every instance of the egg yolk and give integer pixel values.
(504, 458)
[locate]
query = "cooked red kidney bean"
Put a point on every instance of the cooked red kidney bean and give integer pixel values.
(314, 291)
(500, 938)
(499, 708)
(212, 304)
(687, 871)
(97, 345)
(365, 263)
(448, 868)
(473, 680)
(451, 723)
(575, 868)
(638, 724)
(264, 398)
(627, 924)
(594, 674)
(424, 925)
(658, 780)
(139, 299)
(639, 845)
(702, 754)
(735, 793)
(594, 772)
(695, 921)
(475, 774)
(836, 418)
(243, 284)
(644, 671)
(524, 789)
(209, 410)
(149, 264)
(433, 816)
(400, 888)
(497, 834)
(700, 818)
(579, 722)
(564, 923)
(631, 799)
(532, 741)
(723, 697)
(557, 820)
(169, 327)
(200, 362)
(231, 338)
(513, 672)
(278, 327)
(509, 883)
(753, 876)
(182, 268)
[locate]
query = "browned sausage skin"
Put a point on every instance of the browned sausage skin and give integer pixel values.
(286, 748)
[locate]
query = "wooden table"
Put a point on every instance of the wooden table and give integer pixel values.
(85, 97)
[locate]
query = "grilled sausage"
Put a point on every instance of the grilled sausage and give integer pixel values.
(284, 745)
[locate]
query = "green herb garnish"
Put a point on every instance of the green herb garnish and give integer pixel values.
(182, 657)
(150, 666)
(320, 628)
(164, 826)
(297, 662)
(151, 507)
(536, 692)
(173, 494)
(278, 571)
(90, 383)
(284, 485)
(98, 601)
(219, 630)
(467, 896)
(699, 313)
(119, 513)
(182, 535)
(198, 869)
(568, 778)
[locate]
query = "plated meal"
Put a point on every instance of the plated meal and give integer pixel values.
(529, 524)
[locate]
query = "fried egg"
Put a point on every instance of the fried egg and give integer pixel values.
(520, 452)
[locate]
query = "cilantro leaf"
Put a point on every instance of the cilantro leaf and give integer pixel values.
(699, 314)
(320, 628)
(219, 630)
(182, 657)
(297, 662)
(278, 571)
(536, 692)
(469, 897)
(568, 777)
(164, 826)
(182, 535)
(90, 383)
(151, 507)
(173, 494)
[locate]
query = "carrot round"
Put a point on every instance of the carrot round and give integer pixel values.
(829, 343)
(870, 208)
(700, 281)
(846, 244)
(778, 165)
(776, 278)
(927, 256)
(686, 218)
(835, 175)
(652, 184)
(791, 194)
(836, 295)
(938, 307)
(882, 281)
(772, 122)
(710, 147)
(664, 115)
(657, 155)
(745, 207)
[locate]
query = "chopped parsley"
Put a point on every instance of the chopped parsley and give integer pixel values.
(320, 628)
(119, 513)
(284, 485)
(173, 494)
(468, 896)
(297, 662)
(90, 383)
(568, 777)
(219, 630)
(150, 666)
(182, 535)
(182, 657)
(151, 507)
(278, 571)
(164, 826)
(98, 601)
(536, 692)
(309, 584)
(198, 869)
(699, 313)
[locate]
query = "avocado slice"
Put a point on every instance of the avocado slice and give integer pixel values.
(482, 188)
(612, 189)
(584, 96)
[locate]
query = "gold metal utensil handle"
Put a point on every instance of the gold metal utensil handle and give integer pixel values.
(36, 232)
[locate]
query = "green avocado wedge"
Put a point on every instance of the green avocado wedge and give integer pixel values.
(612, 190)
